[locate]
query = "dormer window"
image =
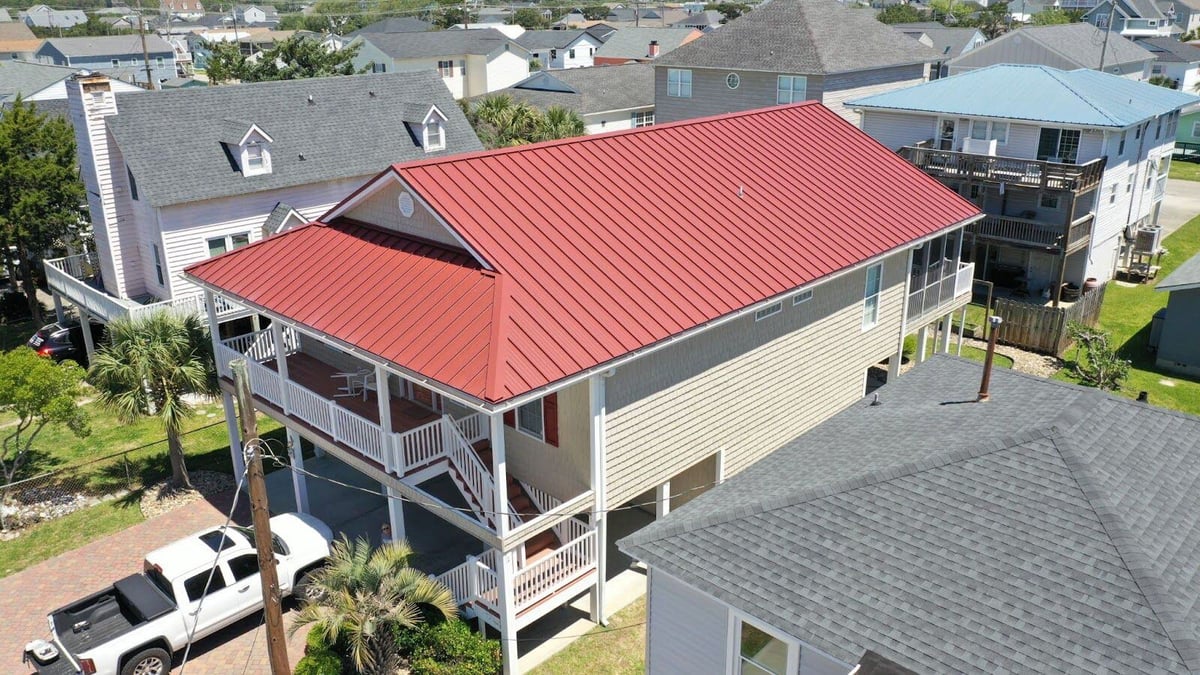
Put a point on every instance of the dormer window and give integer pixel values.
(249, 147)
(435, 136)
(254, 157)
(427, 125)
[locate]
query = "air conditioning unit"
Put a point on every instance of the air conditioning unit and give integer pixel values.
(1149, 240)
(978, 146)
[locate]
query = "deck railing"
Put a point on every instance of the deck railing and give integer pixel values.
(1032, 232)
(1009, 170)
(928, 299)
(474, 427)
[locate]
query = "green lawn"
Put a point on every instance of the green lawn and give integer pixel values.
(1126, 315)
(1185, 170)
(617, 649)
(15, 334)
(968, 352)
(54, 537)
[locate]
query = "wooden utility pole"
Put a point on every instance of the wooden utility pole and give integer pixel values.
(272, 602)
(145, 52)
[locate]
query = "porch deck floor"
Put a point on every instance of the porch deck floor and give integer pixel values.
(320, 378)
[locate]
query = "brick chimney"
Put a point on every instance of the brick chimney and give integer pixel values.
(653, 49)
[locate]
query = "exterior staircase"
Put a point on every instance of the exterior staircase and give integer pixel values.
(521, 504)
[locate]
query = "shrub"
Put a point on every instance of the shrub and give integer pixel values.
(450, 647)
(315, 642)
(14, 306)
(319, 662)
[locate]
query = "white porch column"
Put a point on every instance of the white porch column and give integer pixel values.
(392, 461)
(720, 477)
(500, 477)
(962, 330)
(85, 324)
(395, 513)
(58, 308)
(214, 332)
(508, 610)
(281, 364)
(922, 338)
(662, 500)
(596, 387)
(235, 439)
(947, 330)
(894, 361)
(299, 479)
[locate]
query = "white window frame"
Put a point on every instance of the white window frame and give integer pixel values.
(445, 70)
(158, 266)
(642, 118)
(802, 297)
(255, 157)
(1044, 198)
(1121, 144)
(734, 641)
(433, 136)
(871, 300)
(676, 87)
(226, 241)
(768, 311)
(539, 434)
(989, 131)
(789, 93)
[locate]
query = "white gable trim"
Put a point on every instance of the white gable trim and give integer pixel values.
(378, 183)
(434, 111)
(255, 129)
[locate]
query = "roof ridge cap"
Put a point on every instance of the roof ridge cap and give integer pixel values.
(1061, 78)
(491, 385)
(873, 477)
(1137, 562)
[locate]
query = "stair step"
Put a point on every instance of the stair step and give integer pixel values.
(540, 542)
(514, 489)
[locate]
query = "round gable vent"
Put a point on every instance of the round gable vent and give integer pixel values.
(732, 80)
(406, 204)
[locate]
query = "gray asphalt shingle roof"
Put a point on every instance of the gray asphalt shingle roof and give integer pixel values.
(634, 43)
(351, 128)
(548, 39)
(1078, 43)
(25, 78)
(1186, 275)
(807, 37)
(1170, 50)
(1053, 529)
(593, 90)
(109, 45)
(946, 41)
(396, 24)
(478, 41)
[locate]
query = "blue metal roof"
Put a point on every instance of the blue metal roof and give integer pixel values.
(1037, 93)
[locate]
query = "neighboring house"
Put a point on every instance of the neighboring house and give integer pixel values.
(608, 98)
(120, 56)
(1177, 61)
(1189, 128)
(559, 49)
(948, 43)
(398, 24)
(183, 83)
(157, 207)
(471, 62)
(5, 17)
(642, 44)
(183, 9)
(569, 21)
(1068, 165)
(44, 16)
(557, 347)
(787, 51)
(1184, 13)
(703, 21)
(17, 41)
(1133, 19)
(1051, 529)
(1178, 348)
(1066, 47)
(41, 83)
(256, 15)
(662, 17)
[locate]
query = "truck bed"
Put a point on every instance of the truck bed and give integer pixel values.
(108, 614)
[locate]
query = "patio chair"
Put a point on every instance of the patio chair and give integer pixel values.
(353, 383)
(369, 384)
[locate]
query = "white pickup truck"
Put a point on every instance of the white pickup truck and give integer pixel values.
(134, 626)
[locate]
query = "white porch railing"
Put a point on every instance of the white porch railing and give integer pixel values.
(934, 296)
(474, 427)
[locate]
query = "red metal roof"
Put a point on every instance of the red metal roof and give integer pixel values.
(602, 244)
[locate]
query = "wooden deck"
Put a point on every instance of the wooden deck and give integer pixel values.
(318, 376)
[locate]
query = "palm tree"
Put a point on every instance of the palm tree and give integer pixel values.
(363, 595)
(558, 122)
(149, 368)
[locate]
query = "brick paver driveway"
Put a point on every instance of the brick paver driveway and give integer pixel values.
(27, 596)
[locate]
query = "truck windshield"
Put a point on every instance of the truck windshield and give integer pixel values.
(159, 581)
(276, 543)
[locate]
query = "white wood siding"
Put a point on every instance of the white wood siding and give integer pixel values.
(599, 123)
(896, 130)
(504, 69)
(383, 209)
(686, 630)
(746, 387)
(129, 232)
(87, 113)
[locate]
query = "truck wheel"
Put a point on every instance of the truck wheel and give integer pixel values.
(153, 661)
(305, 591)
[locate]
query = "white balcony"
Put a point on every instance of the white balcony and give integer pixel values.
(932, 297)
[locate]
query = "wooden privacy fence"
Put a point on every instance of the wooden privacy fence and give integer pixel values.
(1044, 329)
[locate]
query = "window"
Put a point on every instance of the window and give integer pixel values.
(791, 89)
(571, 54)
(196, 589)
(1158, 130)
(254, 156)
(378, 67)
(1048, 202)
(1112, 193)
(801, 297)
(1058, 145)
(446, 68)
(434, 136)
(244, 566)
(769, 310)
(553, 54)
(987, 131)
(679, 83)
(871, 296)
(1121, 145)
(158, 271)
(733, 80)
(1129, 183)
(219, 245)
(643, 119)
(976, 191)
(116, 63)
(133, 193)
(759, 652)
(160, 62)
(530, 419)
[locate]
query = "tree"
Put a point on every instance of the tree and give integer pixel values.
(730, 10)
(558, 122)
(899, 14)
(948, 12)
(501, 122)
(297, 57)
(1163, 81)
(596, 12)
(1096, 361)
(991, 20)
(150, 367)
(362, 596)
(452, 15)
(530, 18)
(39, 393)
(1051, 16)
(41, 197)
(225, 63)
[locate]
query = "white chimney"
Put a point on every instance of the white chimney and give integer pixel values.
(653, 49)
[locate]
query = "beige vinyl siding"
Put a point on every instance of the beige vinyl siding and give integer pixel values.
(383, 209)
(563, 471)
(746, 387)
(687, 631)
(844, 87)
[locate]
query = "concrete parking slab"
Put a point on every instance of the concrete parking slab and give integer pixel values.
(1181, 204)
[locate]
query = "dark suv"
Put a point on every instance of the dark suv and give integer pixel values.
(59, 342)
